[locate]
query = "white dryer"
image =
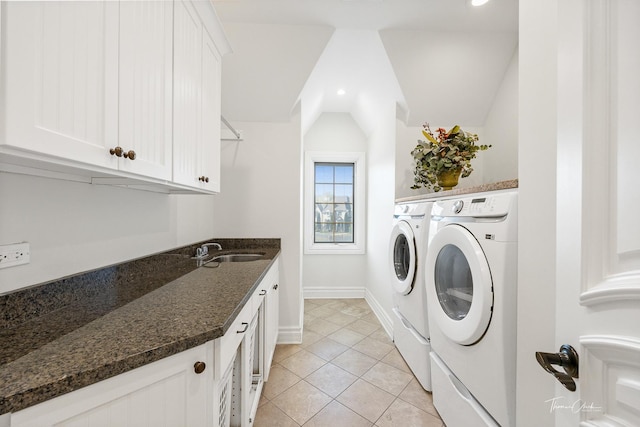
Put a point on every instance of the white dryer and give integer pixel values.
(407, 251)
(470, 278)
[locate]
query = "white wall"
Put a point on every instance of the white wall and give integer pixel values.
(74, 227)
(344, 275)
(261, 197)
(536, 209)
(334, 275)
(380, 201)
(500, 162)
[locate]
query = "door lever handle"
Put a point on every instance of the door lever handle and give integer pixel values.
(567, 357)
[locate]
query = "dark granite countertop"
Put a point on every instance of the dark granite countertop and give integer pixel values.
(502, 185)
(63, 335)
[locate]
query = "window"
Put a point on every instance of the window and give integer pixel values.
(333, 199)
(334, 203)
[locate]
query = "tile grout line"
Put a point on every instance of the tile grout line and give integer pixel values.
(330, 312)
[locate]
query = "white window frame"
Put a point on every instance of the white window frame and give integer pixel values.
(359, 190)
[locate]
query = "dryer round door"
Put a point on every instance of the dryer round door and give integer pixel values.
(459, 285)
(403, 257)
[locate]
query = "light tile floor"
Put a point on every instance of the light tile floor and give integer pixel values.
(346, 373)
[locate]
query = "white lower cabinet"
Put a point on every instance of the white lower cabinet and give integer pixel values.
(271, 317)
(215, 384)
(168, 392)
(243, 355)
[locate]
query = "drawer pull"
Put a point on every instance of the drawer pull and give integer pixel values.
(246, 326)
(199, 367)
(262, 292)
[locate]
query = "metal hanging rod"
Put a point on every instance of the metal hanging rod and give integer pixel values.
(235, 132)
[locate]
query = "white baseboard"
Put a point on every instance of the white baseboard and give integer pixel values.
(289, 335)
(328, 292)
(385, 320)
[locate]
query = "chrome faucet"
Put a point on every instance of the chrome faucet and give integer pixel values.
(203, 250)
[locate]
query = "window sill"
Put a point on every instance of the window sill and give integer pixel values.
(334, 249)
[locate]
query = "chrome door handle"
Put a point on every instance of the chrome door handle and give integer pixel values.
(567, 357)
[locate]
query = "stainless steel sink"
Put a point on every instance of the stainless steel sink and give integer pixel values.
(236, 258)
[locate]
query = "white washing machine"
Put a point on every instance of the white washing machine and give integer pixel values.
(407, 251)
(470, 278)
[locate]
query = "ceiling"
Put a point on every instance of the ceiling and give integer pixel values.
(442, 61)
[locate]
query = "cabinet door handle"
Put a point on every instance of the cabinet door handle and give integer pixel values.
(262, 292)
(246, 326)
(199, 367)
(116, 151)
(203, 178)
(131, 155)
(119, 152)
(275, 286)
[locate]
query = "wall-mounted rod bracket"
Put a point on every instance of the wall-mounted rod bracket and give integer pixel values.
(238, 136)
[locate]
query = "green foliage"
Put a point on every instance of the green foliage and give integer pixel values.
(441, 152)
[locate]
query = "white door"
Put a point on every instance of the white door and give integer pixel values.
(598, 232)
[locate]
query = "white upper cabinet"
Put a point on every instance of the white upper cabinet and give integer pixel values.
(211, 90)
(61, 79)
(145, 107)
(125, 92)
(187, 83)
(197, 72)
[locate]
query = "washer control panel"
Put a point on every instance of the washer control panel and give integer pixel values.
(413, 210)
(477, 206)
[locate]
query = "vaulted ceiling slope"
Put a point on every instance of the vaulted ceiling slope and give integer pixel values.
(449, 77)
(447, 58)
(263, 77)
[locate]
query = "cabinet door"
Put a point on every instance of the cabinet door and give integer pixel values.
(272, 313)
(210, 115)
(230, 370)
(252, 379)
(187, 93)
(165, 393)
(146, 79)
(60, 83)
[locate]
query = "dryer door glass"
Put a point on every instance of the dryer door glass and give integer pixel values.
(458, 284)
(454, 282)
(402, 257)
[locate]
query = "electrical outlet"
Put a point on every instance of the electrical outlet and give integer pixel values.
(14, 254)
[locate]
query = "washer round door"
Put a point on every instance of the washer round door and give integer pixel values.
(459, 285)
(403, 257)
